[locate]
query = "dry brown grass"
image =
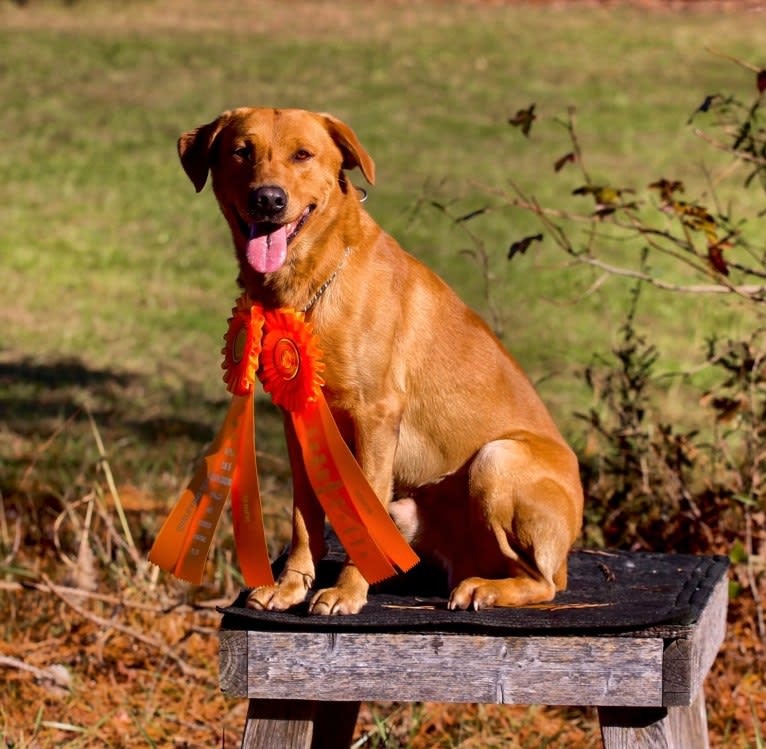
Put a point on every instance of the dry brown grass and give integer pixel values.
(301, 18)
(306, 18)
(99, 650)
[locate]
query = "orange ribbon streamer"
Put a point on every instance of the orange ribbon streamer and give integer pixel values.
(282, 344)
(183, 543)
(362, 524)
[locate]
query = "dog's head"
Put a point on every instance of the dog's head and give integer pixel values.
(276, 174)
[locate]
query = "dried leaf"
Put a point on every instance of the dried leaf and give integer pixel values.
(523, 119)
(696, 217)
(726, 408)
(666, 188)
(603, 194)
(522, 245)
(715, 256)
(472, 214)
(568, 158)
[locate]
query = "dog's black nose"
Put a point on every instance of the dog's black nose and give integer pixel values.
(267, 201)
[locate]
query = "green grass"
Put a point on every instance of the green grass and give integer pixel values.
(108, 256)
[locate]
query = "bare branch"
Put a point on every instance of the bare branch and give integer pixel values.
(743, 155)
(731, 58)
(107, 624)
(753, 292)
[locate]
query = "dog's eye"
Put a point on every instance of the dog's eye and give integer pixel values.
(244, 152)
(302, 155)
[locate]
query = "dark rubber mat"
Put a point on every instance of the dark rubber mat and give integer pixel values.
(608, 591)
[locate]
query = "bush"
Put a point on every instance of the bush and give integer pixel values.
(650, 483)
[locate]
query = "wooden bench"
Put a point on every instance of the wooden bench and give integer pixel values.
(634, 635)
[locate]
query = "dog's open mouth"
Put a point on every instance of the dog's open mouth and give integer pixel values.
(267, 242)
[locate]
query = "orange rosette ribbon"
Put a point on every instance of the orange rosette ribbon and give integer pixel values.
(228, 469)
(243, 347)
(290, 361)
(283, 345)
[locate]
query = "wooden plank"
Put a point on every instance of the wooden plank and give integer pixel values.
(689, 724)
(299, 724)
(232, 662)
(288, 724)
(687, 660)
(653, 728)
(636, 728)
(450, 668)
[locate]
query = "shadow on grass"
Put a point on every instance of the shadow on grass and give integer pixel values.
(152, 432)
(35, 396)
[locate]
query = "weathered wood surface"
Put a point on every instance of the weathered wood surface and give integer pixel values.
(688, 659)
(443, 668)
(655, 728)
(232, 662)
(640, 670)
(279, 723)
(305, 684)
(297, 724)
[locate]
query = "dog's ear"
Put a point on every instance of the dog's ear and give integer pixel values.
(195, 150)
(353, 152)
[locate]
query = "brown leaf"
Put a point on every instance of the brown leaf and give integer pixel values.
(666, 188)
(522, 245)
(568, 158)
(524, 119)
(726, 408)
(715, 256)
(696, 217)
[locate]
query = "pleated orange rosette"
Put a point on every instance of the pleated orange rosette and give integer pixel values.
(283, 345)
(243, 347)
(291, 360)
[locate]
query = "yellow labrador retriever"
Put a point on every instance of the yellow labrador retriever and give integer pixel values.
(449, 431)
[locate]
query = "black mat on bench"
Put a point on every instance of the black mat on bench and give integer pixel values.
(608, 591)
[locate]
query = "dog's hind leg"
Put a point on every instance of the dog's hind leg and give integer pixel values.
(527, 493)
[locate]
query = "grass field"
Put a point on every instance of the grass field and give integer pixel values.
(117, 279)
(101, 219)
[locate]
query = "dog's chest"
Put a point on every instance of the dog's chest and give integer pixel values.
(418, 460)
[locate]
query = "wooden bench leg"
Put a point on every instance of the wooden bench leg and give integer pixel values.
(690, 723)
(655, 728)
(299, 724)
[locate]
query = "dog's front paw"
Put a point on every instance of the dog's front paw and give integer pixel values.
(288, 592)
(334, 601)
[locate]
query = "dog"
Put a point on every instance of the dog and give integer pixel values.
(449, 431)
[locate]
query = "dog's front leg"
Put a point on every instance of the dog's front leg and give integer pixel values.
(307, 546)
(375, 440)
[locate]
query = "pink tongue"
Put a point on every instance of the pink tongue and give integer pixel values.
(267, 252)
